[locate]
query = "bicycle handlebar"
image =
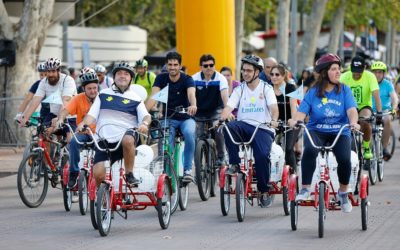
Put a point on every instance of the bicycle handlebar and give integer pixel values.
(223, 125)
(301, 124)
(76, 139)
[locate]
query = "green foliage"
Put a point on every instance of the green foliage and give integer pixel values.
(254, 14)
(155, 16)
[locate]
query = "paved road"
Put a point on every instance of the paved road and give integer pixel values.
(200, 227)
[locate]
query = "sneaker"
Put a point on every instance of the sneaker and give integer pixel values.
(131, 180)
(187, 176)
(72, 179)
(265, 200)
(345, 203)
(303, 195)
(367, 154)
(386, 155)
(233, 169)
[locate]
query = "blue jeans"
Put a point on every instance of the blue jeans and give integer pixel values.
(188, 130)
(261, 146)
(74, 151)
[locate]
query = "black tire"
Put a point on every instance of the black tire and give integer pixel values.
(285, 198)
(183, 192)
(240, 197)
(225, 196)
(93, 215)
(372, 169)
(164, 206)
(160, 149)
(321, 209)
(170, 171)
(83, 192)
(203, 173)
(294, 215)
(214, 173)
(67, 198)
(32, 180)
(364, 214)
(103, 209)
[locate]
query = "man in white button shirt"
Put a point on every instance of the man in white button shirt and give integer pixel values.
(256, 103)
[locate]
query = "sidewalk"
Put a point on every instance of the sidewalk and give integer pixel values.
(9, 160)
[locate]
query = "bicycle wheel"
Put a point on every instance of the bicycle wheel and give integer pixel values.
(32, 180)
(240, 197)
(364, 214)
(380, 161)
(67, 198)
(285, 198)
(183, 192)
(214, 173)
(225, 196)
(93, 214)
(321, 209)
(83, 192)
(103, 209)
(294, 214)
(202, 170)
(372, 169)
(169, 169)
(164, 206)
(392, 143)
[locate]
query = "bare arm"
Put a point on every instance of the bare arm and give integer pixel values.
(299, 116)
(274, 111)
(28, 98)
(293, 106)
(226, 112)
(352, 114)
(224, 96)
(151, 102)
(34, 104)
(66, 100)
(375, 95)
(394, 100)
(192, 109)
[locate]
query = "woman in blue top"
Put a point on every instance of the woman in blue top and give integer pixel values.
(329, 105)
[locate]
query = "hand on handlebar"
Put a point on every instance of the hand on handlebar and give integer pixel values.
(143, 129)
(81, 128)
(355, 126)
(191, 110)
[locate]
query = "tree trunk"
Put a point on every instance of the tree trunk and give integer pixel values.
(282, 45)
(311, 34)
(336, 27)
(239, 19)
(354, 47)
(29, 37)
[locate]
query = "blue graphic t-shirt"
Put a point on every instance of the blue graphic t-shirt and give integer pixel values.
(328, 114)
(385, 88)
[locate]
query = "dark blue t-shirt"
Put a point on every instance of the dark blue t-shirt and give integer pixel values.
(328, 114)
(177, 93)
(45, 110)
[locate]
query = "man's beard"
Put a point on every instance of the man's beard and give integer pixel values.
(53, 81)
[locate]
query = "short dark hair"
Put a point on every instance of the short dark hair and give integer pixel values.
(206, 57)
(226, 68)
(173, 56)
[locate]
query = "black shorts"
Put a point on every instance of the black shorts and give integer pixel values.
(112, 156)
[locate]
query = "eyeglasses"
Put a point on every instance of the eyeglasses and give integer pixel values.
(249, 71)
(208, 65)
(276, 74)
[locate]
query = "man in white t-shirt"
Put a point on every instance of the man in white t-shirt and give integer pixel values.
(115, 110)
(256, 103)
(57, 86)
(211, 96)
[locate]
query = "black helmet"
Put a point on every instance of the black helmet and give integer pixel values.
(88, 75)
(123, 66)
(254, 60)
(326, 61)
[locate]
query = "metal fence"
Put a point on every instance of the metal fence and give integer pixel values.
(10, 133)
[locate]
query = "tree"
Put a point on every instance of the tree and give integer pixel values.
(29, 34)
(337, 22)
(311, 35)
(282, 45)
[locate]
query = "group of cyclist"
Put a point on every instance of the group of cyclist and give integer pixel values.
(109, 106)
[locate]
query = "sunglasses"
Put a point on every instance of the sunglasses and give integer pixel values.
(276, 74)
(208, 65)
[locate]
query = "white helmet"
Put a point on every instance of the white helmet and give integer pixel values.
(53, 63)
(99, 68)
